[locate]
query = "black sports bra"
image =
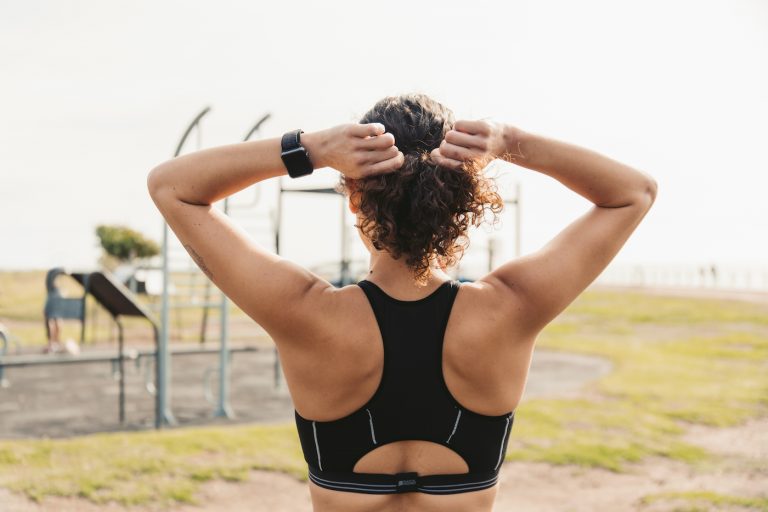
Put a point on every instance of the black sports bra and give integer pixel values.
(412, 402)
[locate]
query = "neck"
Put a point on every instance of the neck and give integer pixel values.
(386, 270)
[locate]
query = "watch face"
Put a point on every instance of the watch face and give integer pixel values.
(297, 161)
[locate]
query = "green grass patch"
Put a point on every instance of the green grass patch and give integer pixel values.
(22, 295)
(147, 467)
(663, 378)
(638, 308)
(605, 434)
(718, 381)
(692, 501)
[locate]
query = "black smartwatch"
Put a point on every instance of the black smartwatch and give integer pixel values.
(294, 155)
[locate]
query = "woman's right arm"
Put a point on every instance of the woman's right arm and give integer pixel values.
(544, 283)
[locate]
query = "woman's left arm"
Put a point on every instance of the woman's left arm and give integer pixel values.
(270, 289)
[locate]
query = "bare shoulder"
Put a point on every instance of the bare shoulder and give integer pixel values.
(339, 309)
(490, 307)
(326, 312)
(338, 350)
(487, 352)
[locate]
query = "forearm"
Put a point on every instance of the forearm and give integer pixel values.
(206, 176)
(600, 179)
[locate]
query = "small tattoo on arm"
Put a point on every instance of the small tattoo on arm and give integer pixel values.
(199, 260)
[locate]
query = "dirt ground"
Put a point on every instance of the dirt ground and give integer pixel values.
(742, 470)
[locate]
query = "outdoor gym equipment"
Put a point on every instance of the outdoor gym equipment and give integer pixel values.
(114, 297)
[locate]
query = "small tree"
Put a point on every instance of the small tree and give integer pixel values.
(124, 244)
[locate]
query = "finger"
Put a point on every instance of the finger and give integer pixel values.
(367, 130)
(454, 152)
(471, 127)
(438, 159)
(387, 166)
(465, 140)
(375, 156)
(382, 141)
(379, 155)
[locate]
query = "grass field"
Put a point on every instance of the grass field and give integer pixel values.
(700, 361)
(677, 362)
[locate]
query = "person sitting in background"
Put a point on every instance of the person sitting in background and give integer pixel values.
(53, 333)
(53, 315)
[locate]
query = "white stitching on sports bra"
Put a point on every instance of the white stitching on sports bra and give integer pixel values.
(503, 439)
(350, 488)
(449, 491)
(370, 422)
(456, 486)
(317, 446)
(455, 426)
(315, 477)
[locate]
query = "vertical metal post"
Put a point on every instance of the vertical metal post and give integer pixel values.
(207, 294)
(84, 311)
(223, 408)
(163, 414)
(121, 367)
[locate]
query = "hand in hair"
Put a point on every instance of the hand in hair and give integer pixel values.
(470, 140)
(355, 150)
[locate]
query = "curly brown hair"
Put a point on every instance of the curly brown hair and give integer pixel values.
(422, 209)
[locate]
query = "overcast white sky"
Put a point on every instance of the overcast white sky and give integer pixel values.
(93, 94)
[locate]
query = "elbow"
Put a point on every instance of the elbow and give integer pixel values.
(650, 189)
(163, 190)
(154, 182)
(644, 195)
(151, 183)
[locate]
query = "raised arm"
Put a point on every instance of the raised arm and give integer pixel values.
(542, 284)
(277, 293)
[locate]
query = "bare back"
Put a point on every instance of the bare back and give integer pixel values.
(484, 367)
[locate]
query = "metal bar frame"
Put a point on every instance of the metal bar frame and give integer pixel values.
(163, 415)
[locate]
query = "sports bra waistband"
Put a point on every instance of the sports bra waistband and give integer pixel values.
(381, 483)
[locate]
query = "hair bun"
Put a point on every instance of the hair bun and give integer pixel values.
(418, 156)
(423, 210)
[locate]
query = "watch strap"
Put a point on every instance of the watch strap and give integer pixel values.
(291, 140)
(294, 155)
